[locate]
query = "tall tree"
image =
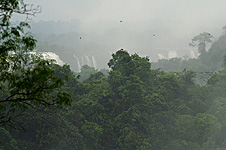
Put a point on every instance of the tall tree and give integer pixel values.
(129, 80)
(26, 79)
(201, 41)
(128, 65)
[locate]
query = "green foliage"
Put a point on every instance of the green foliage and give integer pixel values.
(7, 142)
(131, 107)
(26, 79)
(131, 65)
(144, 109)
(85, 73)
(201, 41)
(48, 129)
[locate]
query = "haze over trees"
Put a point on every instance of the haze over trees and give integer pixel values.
(129, 106)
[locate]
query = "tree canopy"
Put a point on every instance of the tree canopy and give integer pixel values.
(201, 41)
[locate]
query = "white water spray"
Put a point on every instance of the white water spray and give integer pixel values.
(94, 62)
(79, 66)
(88, 62)
(83, 62)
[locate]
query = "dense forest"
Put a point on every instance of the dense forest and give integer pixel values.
(174, 104)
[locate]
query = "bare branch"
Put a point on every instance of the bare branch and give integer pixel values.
(6, 8)
(29, 10)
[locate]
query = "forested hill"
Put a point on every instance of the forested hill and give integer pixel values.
(209, 60)
(133, 107)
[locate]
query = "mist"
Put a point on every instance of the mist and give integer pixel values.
(147, 27)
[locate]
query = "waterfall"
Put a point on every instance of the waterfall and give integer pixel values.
(79, 66)
(88, 62)
(83, 62)
(94, 62)
(51, 55)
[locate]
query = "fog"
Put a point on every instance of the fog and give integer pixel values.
(148, 27)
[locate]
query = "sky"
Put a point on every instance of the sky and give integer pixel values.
(146, 24)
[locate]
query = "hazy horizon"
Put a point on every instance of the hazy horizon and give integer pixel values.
(144, 26)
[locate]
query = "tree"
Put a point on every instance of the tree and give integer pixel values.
(187, 77)
(128, 65)
(47, 129)
(26, 79)
(130, 80)
(201, 41)
(85, 73)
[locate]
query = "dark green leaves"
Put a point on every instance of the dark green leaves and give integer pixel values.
(27, 79)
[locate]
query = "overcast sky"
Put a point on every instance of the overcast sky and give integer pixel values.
(174, 22)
